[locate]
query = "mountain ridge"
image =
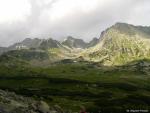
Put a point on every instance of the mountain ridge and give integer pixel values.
(117, 45)
(121, 43)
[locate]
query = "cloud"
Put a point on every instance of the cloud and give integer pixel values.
(13, 10)
(58, 18)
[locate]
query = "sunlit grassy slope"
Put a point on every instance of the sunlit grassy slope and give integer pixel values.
(120, 44)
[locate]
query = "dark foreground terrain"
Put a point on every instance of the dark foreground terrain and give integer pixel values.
(73, 86)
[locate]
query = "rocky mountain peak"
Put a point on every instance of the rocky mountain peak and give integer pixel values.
(122, 43)
(74, 43)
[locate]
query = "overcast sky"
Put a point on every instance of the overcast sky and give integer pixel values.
(84, 19)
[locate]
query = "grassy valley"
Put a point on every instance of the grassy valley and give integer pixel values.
(81, 84)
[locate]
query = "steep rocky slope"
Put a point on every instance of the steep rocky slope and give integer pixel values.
(120, 44)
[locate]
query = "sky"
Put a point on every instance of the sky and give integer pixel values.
(57, 19)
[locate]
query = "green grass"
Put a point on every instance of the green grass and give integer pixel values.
(80, 84)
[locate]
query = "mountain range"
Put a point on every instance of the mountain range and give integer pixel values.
(119, 44)
(109, 74)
